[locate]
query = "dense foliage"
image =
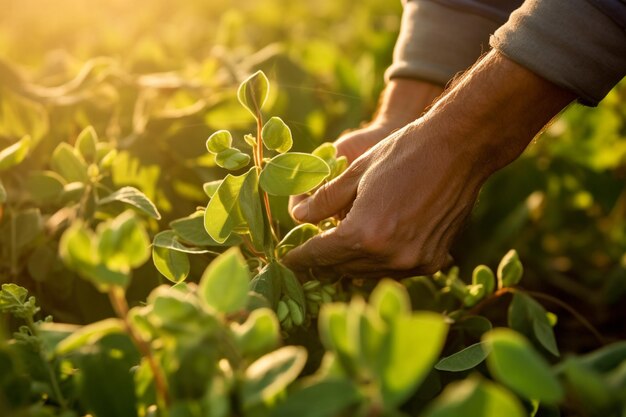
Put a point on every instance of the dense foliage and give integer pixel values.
(145, 166)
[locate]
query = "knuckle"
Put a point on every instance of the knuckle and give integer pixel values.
(402, 261)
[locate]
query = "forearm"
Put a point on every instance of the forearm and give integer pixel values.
(494, 111)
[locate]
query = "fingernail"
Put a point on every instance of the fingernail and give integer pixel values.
(300, 211)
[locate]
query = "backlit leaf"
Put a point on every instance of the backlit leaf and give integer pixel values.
(133, 197)
(174, 265)
(219, 141)
(68, 164)
(15, 153)
(253, 91)
(277, 135)
(293, 173)
(224, 284)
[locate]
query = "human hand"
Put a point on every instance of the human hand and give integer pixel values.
(402, 101)
(408, 196)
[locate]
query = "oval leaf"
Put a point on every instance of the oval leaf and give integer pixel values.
(219, 141)
(135, 198)
(224, 284)
(464, 359)
(253, 91)
(293, 173)
(277, 135)
(515, 363)
(90, 334)
(174, 265)
(15, 153)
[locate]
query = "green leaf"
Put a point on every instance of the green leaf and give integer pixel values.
(510, 270)
(219, 141)
(476, 397)
(211, 187)
(68, 164)
(321, 399)
(292, 287)
(232, 159)
(123, 243)
(3, 193)
(483, 275)
(529, 317)
(402, 377)
(590, 388)
(465, 359)
(90, 334)
(29, 225)
(391, 300)
(77, 247)
(15, 154)
(223, 213)
(333, 330)
(270, 375)
(250, 205)
(268, 283)
(293, 173)
(328, 152)
(167, 239)
(174, 265)
(133, 197)
(191, 230)
(252, 92)
(277, 135)
(86, 144)
(45, 187)
(296, 236)
(224, 284)
(259, 334)
(514, 363)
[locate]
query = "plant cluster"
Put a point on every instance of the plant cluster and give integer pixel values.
(250, 339)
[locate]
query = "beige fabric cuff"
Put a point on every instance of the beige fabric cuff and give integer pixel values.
(570, 43)
(436, 42)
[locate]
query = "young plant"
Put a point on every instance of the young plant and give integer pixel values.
(239, 210)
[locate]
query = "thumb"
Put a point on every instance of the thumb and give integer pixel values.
(330, 199)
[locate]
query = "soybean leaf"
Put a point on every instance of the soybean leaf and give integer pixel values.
(475, 397)
(123, 243)
(174, 265)
(28, 226)
(250, 204)
(465, 359)
(167, 239)
(223, 213)
(268, 283)
(296, 236)
(86, 144)
(89, 334)
(590, 388)
(269, 375)
(401, 377)
(483, 275)
(529, 317)
(390, 299)
(45, 187)
(224, 284)
(333, 330)
(133, 197)
(68, 164)
(232, 159)
(211, 187)
(328, 153)
(372, 336)
(191, 230)
(513, 362)
(277, 135)
(259, 334)
(291, 286)
(15, 153)
(293, 173)
(3, 193)
(510, 269)
(320, 399)
(219, 141)
(253, 91)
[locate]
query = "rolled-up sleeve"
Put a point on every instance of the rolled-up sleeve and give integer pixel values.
(572, 43)
(437, 41)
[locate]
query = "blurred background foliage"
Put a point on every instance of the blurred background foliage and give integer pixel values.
(155, 78)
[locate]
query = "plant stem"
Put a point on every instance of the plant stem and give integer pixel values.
(259, 164)
(118, 301)
(478, 307)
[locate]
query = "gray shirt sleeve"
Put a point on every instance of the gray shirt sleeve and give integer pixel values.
(439, 38)
(572, 43)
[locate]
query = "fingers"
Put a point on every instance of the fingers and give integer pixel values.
(327, 249)
(329, 200)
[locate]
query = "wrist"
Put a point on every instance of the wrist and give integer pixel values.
(495, 110)
(403, 101)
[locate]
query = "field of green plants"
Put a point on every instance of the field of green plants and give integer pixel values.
(148, 150)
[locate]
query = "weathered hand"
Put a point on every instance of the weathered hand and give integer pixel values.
(407, 197)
